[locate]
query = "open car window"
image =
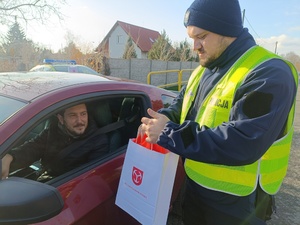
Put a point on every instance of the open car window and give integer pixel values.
(118, 117)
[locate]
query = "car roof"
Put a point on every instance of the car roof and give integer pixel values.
(29, 85)
(63, 67)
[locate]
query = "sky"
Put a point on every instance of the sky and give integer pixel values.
(275, 24)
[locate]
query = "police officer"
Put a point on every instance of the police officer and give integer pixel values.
(232, 123)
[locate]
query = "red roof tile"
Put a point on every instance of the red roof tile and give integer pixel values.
(143, 37)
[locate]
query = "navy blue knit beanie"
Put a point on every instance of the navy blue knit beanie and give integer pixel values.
(218, 16)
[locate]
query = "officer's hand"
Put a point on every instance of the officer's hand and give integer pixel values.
(152, 127)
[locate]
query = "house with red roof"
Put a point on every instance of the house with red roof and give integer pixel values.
(114, 43)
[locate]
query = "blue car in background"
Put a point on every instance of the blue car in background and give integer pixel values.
(62, 66)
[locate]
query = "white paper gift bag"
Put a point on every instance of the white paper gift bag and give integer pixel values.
(146, 182)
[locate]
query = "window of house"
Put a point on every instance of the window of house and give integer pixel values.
(120, 39)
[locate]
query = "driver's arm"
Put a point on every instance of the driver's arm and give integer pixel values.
(6, 161)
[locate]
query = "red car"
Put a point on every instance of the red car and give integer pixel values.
(85, 195)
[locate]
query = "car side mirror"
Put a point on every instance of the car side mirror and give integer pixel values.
(24, 201)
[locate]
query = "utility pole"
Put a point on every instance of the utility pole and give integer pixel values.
(243, 18)
(276, 43)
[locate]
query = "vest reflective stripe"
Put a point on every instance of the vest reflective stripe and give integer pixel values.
(215, 178)
(274, 164)
(215, 109)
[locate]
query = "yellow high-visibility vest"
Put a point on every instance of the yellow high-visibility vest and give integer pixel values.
(215, 109)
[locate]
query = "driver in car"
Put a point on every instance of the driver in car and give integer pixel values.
(65, 145)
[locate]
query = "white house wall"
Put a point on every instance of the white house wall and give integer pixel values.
(117, 44)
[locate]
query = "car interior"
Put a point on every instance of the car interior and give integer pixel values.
(119, 117)
(122, 115)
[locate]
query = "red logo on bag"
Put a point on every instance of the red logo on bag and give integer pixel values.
(137, 176)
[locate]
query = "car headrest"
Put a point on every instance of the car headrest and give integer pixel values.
(102, 113)
(130, 110)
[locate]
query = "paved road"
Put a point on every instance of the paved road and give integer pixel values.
(288, 198)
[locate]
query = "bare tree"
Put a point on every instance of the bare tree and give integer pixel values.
(72, 51)
(29, 10)
(293, 58)
(98, 62)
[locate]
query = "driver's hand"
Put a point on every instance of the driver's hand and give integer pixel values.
(6, 161)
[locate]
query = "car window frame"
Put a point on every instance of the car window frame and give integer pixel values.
(51, 110)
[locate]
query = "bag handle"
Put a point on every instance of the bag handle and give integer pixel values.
(141, 140)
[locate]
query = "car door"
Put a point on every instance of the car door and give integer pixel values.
(89, 190)
(90, 194)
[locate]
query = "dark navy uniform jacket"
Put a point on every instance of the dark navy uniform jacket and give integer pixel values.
(257, 118)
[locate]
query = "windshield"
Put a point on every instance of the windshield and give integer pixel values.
(8, 107)
(42, 68)
(74, 69)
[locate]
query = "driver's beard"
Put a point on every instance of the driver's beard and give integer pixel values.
(65, 130)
